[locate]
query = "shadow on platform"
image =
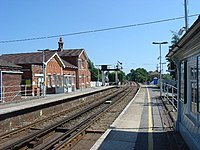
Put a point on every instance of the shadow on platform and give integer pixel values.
(124, 140)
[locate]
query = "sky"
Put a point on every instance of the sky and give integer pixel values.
(132, 46)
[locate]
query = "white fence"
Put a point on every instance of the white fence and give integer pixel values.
(97, 84)
(170, 92)
(17, 92)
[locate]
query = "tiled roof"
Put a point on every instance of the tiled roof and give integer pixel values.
(27, 58)
(4, 63)
(70, 52)
(68, 65)
(37, 57)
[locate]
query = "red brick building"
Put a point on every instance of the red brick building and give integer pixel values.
(10, 80)
(54, 69)
(64, 70)
(78, 58)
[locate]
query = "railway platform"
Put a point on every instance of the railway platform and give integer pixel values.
(6, 108)
(144, 124)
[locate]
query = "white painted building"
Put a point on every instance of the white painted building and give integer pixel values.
(186, 55)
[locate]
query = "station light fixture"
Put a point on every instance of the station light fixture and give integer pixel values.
(160, 43)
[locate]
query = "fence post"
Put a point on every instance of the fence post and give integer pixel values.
(25, 91)
(3, 94)
(173, 97)
(167, 91)
(164, 84)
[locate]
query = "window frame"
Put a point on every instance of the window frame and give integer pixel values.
(192, 78)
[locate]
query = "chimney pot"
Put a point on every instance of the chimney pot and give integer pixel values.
(60, 45)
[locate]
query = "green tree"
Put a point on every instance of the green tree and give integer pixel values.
(167, 76)
(121, 76)
(171, 65)
(154, 74)
(93, 71)
(175, 39)
(131, 76)
(138, 75)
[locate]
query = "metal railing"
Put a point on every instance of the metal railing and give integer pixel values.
(170, 93)
(17, 92)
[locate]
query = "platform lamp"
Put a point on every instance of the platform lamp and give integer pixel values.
(160, 43)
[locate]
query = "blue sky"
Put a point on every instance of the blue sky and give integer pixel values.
(132, 46)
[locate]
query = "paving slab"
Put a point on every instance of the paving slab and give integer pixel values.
(123, 132)
(140, 126)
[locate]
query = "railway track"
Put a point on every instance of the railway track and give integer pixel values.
(96, 129)
(60, 133)
(20, 131)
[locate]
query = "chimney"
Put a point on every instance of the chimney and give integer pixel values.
(60, 45)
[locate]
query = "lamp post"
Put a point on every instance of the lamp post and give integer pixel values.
(160, 43)
(43, 71)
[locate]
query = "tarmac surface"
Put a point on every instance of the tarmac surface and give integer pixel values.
(142, 125)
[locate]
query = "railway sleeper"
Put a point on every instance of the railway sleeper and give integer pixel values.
(61, 129)
(95, 131)
(35, 143)
(35, 128)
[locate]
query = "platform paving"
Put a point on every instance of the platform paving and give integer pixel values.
(141, 126)
(20, 105)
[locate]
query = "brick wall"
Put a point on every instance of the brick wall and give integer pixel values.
(11, 86)
(83, 73)
(54, 73)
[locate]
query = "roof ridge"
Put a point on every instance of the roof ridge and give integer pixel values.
(21, 53)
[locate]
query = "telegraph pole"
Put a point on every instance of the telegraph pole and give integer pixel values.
(186, 14)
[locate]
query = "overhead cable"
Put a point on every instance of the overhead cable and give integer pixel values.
(96, 30)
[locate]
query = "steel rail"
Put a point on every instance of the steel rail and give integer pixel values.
(82, 126)
(38, 134)
(26, 127)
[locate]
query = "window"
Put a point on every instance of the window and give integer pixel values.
(193, 85)
(53, 80)
(49, 80)
(183, 89)
(193, 106)
(58, 80)
(82, 78)
(81, 63)
(73, 79)
(68, 80)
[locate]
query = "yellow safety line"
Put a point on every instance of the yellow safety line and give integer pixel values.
(150, 135)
